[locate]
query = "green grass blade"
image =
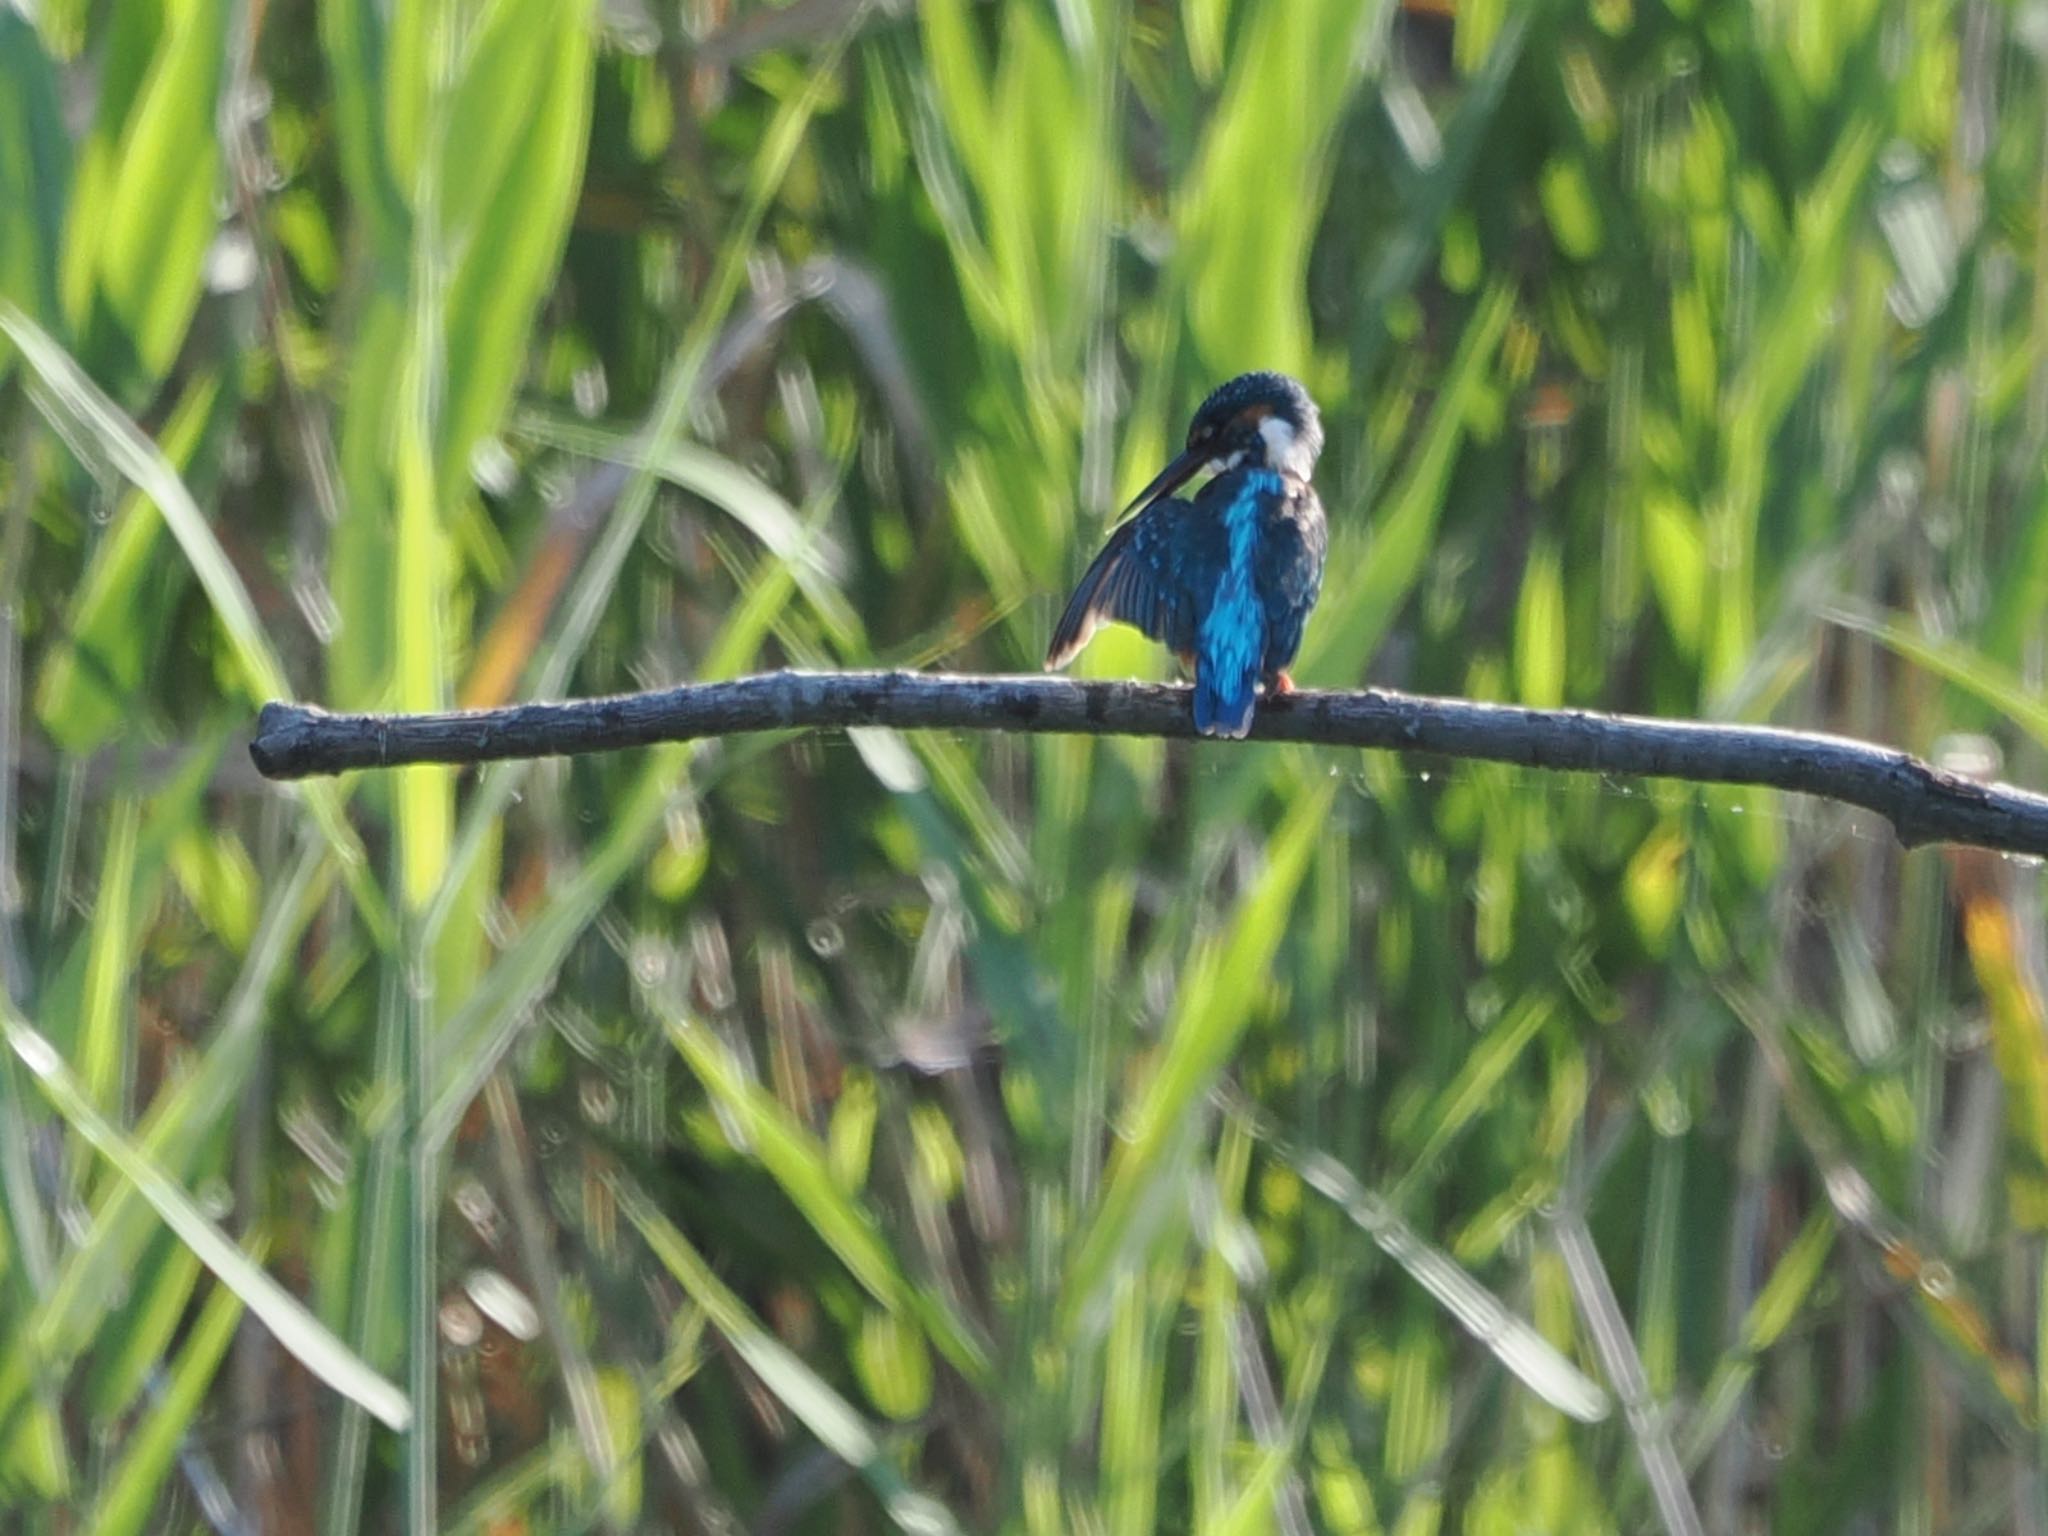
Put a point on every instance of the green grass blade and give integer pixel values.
(817, 561)
(1472, 1090)
(1365, 595)
(134, 1490)
(1215, 1388)
(1976, 674)
(595, 585)
(103, 1027)
(88, 689)
(179, 1121)
(1785, 1294)
(1133, 1395)
(797, 1161)
(1246, 233)
(1647, 1420)
(87, 412)
(35, 170)
(523, 101)
(1513, 1342)
(1266, 1499)
(476, 1036)
(425, 792)
(135, 1336)
(771, 164)
(1217, 999)
(827, 1415)
(358, 1269)
(302, 1335)
(159, 217)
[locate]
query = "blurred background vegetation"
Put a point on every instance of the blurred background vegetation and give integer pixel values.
(934, 1133)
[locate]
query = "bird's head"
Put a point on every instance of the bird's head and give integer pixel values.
(1263, 419)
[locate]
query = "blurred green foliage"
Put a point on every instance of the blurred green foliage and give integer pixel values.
(930, 1133)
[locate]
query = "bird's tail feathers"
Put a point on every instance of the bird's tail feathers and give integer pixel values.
(1224, 697)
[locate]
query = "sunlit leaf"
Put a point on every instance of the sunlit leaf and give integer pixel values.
(295, 1328)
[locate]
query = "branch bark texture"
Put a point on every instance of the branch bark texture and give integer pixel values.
(1924, 804)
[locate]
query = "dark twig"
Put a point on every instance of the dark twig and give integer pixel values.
(1923, 803)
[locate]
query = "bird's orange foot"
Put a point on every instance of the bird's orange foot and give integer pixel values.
(1282, 683)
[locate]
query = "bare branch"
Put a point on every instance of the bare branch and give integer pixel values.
(1924, 804)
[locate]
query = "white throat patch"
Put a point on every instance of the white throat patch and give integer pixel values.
(1283, 448)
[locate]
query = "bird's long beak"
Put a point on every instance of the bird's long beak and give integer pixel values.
(1166, 482)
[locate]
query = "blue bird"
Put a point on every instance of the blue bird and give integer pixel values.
(1224, 580)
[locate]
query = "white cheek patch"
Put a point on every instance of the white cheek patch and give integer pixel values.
(1283, 449)
(1224, 466)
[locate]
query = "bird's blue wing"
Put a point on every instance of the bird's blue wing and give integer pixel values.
(1144, 577)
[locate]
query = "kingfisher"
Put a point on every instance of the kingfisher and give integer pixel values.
(1225, 579)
